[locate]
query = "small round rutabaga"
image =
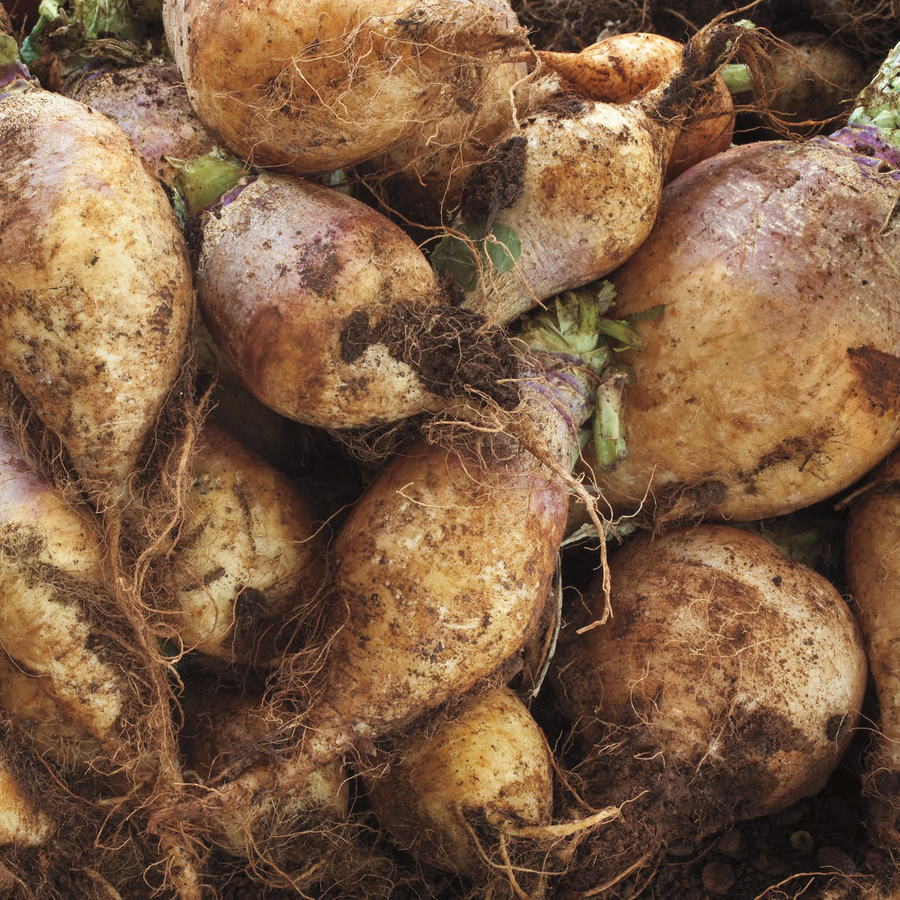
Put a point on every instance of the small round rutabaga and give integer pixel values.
(771, 379)
(589, 178)
(95, 282)
(579, 182)
(489, 764)
(727, 683)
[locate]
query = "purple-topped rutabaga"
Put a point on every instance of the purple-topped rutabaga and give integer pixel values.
(772, 379)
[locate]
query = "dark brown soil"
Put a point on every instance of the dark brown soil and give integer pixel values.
(497, 183)
(452, 350)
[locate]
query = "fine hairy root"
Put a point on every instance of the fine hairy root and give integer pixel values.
(129, 607)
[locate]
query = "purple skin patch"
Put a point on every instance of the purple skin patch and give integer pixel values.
(872, 151)
(234, 193)
(12, 73)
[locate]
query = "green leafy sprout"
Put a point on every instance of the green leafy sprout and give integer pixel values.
(465, 258)
(576, 325)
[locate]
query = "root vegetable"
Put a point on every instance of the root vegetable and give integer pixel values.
(422, 606)
(319, 86)
(770, 380)
(150, 104)
(220, 724)
(250, 558)
(329, 314)
(726, 686)
(95, 282)
(814, 80)
(622, 67)
(579, 184)
(53, 733)
(873, 535)
(52, 573)
(486, 767)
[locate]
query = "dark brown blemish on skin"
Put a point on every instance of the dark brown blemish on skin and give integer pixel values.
(319, 263)
(879, 373)
(355, 336)
(450, 350)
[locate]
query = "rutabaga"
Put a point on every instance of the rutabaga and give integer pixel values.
(95, 281)
(772, 379)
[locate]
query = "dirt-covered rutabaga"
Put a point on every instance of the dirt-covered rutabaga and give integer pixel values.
(488, 765)
(250, 556)
(873, 576)
(447, 561)
(726, 686)
(578, 182)
(772, 378)
(95, 281)
(220, 724)
(320, 85)
(150, 104)
(328, 312)
(624, 66)
(440, 575)
(52, 570)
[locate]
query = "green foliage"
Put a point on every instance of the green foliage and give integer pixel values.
(465, 257)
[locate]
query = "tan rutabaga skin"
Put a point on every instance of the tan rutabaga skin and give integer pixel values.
(288, 272)
(219, 725)
(95, 282)
(53, 733)
(624, 66)
(591, 176)
(872, 563)
(22, 822)
(52, 564)
(727, 683)
(150, 104)
(250, 555)
(770, 380)
(490, 763)
(318, 86)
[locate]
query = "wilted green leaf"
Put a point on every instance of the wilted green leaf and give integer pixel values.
(455, 256)
(505, 248)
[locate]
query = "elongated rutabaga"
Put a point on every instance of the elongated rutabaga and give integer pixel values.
(95, 280)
